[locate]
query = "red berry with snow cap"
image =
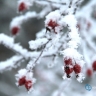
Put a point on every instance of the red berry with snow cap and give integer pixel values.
(77, 68)
(52, 24)
(28, 85)
(68, 61)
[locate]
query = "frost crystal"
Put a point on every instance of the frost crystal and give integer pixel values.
(34, 44)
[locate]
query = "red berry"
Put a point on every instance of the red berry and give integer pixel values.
(22, 6)
(77, 68)
(28, 85)
(94, 65)
(52, 24)
(68, 61)
(14, 30)
(89, 72)
(22, 81)
(68, 70)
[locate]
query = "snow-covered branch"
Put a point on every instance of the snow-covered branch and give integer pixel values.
(68, 34)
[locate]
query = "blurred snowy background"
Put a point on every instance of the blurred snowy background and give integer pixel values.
(47, 86)
(8, 10)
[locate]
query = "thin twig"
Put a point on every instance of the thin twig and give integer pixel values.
(42, 51)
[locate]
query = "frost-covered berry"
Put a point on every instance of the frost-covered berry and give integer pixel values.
(52, 24)
(68, 70)
(28, 85)
(22, 81)
(68, 61)
(68, 67)
(89, 72)
(94, 65)
(22, 6)
(77, 68)
(15, 30)
(25, 77)
(52, 21)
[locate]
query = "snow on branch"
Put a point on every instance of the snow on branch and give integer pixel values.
(23, 54)
(9, 43)
(13, 62)
(16, 22)
(37, 43)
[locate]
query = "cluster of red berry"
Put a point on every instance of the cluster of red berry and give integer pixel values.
(27, 83)
(69, 67)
